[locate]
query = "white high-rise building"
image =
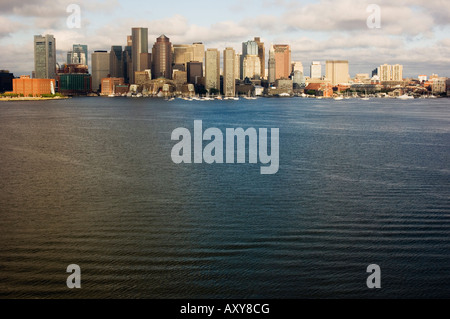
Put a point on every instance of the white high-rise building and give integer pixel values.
(391, 72)
(315, 70)
(337, 72)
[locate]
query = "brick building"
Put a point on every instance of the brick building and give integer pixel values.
(33, 87)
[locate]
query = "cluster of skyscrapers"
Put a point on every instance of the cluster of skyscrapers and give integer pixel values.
(193, 64)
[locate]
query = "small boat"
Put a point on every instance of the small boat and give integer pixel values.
(405, 97)
(338, 98)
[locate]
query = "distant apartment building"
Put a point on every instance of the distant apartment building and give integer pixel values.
(44, 57)
(315, 70)
(100, 68)
(162, 58)
(439, 85)
(212, 69)
(337, 71)
(391, 72)
(229, 82)
(33, 87)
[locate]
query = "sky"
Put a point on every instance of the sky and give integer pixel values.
(413, 33)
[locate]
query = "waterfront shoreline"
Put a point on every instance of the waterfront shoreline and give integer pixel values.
(9, 99)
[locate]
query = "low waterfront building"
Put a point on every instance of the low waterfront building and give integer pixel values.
(33, 87)
(74, 83)
(109, 85)
(74, 79)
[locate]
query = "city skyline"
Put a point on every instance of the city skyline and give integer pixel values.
(412, 33)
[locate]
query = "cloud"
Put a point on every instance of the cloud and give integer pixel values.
(351, 16)
(10, 26)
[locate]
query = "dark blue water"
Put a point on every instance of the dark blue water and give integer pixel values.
(90, 181)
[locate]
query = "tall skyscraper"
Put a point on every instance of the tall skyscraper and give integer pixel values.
(271, 65)
(229, 83)
(145, 61)
(139, 38)
(251, 67)
(282, 61)
(237, 66)
(162, 58)
(198, 52)
(337, 72)
(182, 54)
(315, 70)
(127, 63)
(194, 71)
(262, 56)
(212, 69)
(116, 63)
(248, 48)
(79, 54)
(44, 56)
(100, 68)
